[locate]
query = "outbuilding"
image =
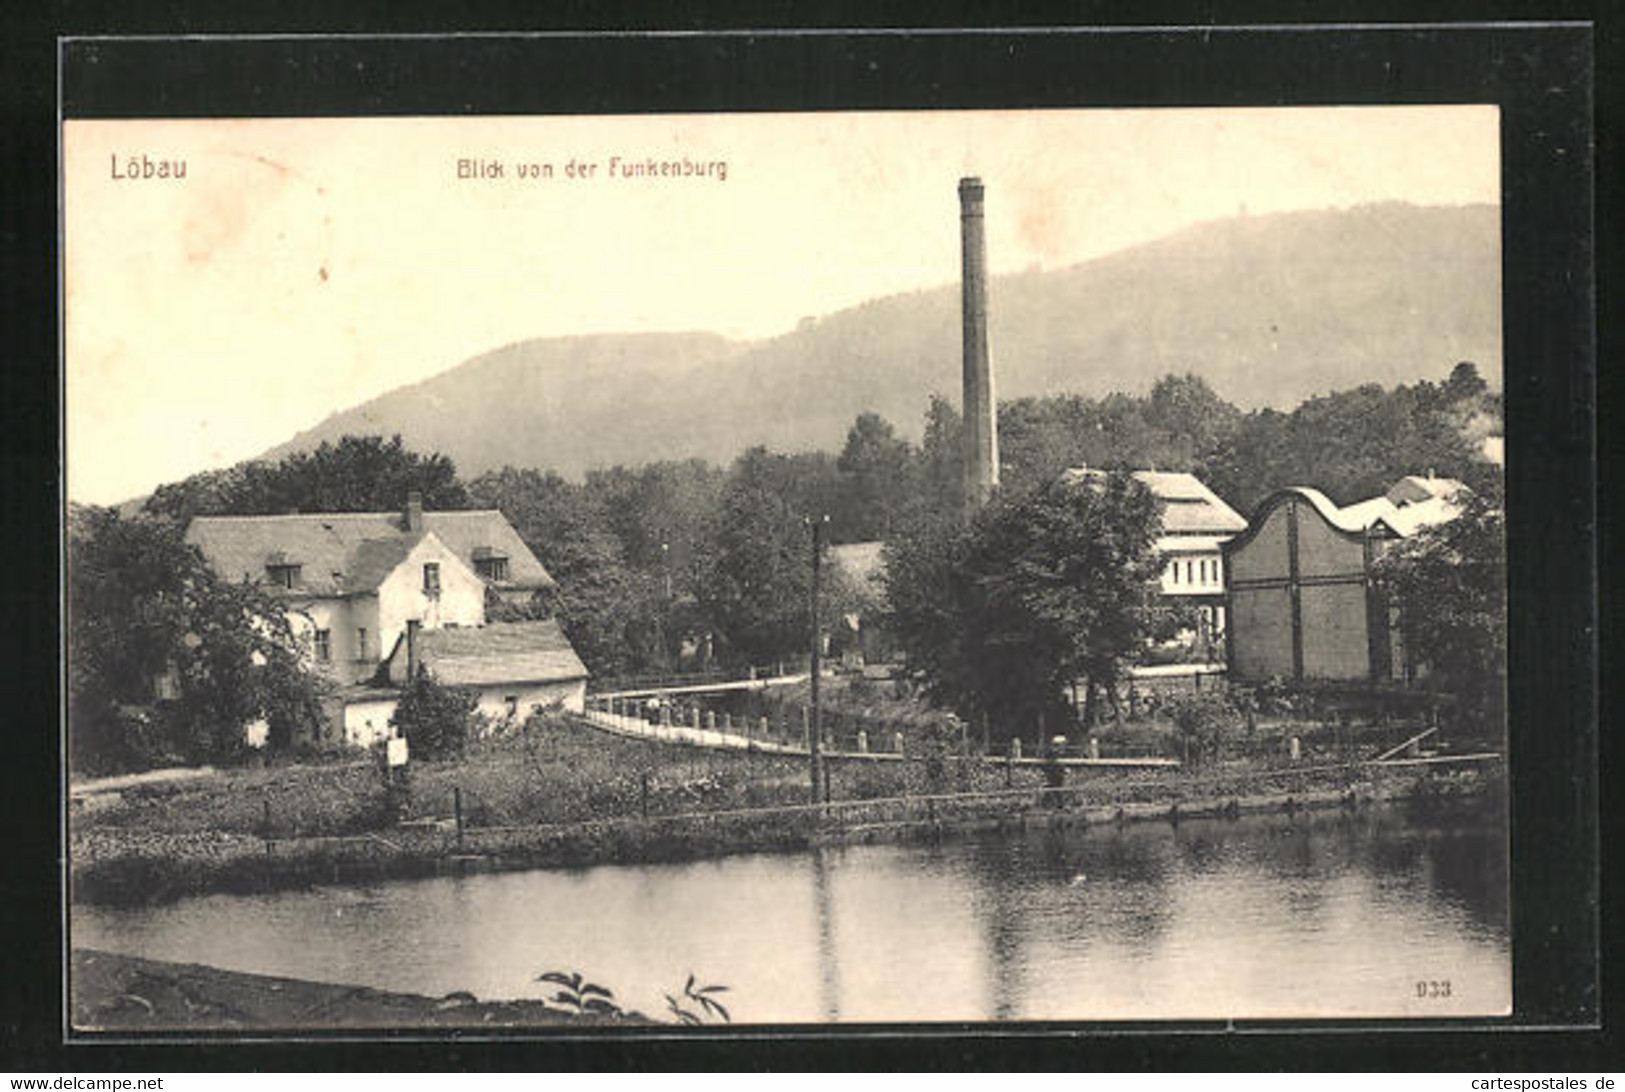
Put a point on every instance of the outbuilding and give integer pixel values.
(514, 668)
(1303, 603)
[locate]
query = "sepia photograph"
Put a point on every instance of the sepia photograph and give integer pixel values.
(718, 570)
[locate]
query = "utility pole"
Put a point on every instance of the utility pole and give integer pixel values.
(663, 618)
(815, 735)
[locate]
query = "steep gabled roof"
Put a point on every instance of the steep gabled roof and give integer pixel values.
(349, 553)
(1189, 507)
(493, 655)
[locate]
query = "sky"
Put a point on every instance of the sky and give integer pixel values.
(303, 266)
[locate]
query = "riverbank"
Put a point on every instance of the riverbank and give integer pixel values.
(700, 806)
(117, 993)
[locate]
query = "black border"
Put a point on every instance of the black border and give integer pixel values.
(1539, 75)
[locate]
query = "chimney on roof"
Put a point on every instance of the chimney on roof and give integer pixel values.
(414, 511)
(981, 430)
(412, 625)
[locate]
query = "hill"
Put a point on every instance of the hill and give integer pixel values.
(1269, 309)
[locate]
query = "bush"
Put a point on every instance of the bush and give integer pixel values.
(1203, 721)
(436, 720)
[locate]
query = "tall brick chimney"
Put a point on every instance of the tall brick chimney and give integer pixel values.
(980, 441)
(414, 512)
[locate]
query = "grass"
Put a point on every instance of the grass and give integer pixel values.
(567, 795)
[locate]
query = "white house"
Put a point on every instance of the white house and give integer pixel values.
(1196, 523)
(353, 582)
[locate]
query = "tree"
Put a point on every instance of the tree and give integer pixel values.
(436, 720)
(357, 474)
(1450, 583)
(755, 576)
(942, 459)
(1191, 420)
(606, 609)
(661, 513)
(877, 471)
(1000, 617)
(143, 606)
(1354, 444)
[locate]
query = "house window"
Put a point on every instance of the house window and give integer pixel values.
(431, 578)
(1189, 565)
(512, 702)
(1201, 569)
(283, 576)
(492, 568)
(1173, 573)
(361, 642)
(324, 646)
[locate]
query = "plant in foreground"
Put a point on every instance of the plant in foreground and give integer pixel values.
(575, 994)
(697, 1004)
(580, 996)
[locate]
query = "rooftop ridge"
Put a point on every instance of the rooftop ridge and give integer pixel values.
(432, 512)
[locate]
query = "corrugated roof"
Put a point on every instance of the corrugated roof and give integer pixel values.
(1402, 519)
(343, 553)
(504, 652)
(1189, 507)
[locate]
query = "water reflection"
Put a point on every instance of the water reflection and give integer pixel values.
(1331, 914)
(829, 963)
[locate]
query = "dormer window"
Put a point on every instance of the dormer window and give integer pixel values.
(431, 578)
(282, 575)
(281, 570)
(490, 564)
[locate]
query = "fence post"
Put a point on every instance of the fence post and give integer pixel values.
(710, 720)
(1015, 748)
(806, 727)
(457, 812)
(863, 742)
(1094, 748)
(897, 740)
(1293, 748)
(1009, 766)
(643, 794)
(762, 726)
(265, 825)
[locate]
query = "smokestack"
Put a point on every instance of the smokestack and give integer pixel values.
(981, 431)
(412, 649)
(414, 512)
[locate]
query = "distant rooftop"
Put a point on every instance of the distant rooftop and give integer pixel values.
(1189, 507)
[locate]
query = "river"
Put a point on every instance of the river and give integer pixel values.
(1384, 913)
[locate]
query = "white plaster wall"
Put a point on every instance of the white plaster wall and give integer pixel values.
(366, 722)
(461, 600)
(332, 615)
(1211, 584)
(493, 699)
